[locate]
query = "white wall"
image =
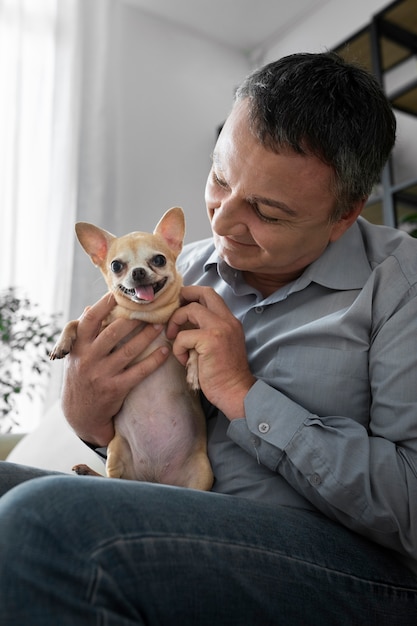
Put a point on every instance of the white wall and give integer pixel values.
(328, 26)
(173, 89)
(163, 94)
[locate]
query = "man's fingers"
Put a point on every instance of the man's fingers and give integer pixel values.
(114, 333)
(138, 371)
(206, 296)
(137, 343)
(90, 321)
(184, 342)
(180, 317)
(205, 314)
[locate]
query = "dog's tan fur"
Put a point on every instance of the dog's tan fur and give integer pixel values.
(160, 431)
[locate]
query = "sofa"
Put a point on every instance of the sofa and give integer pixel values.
(52, 445)
(7, 443)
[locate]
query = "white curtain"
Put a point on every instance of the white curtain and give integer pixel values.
(54, 113)
(38, 147)
(39, 119)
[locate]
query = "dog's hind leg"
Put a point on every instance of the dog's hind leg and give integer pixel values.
(119, 459)
(84, 470)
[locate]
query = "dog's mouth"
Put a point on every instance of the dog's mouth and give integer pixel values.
(144, 293)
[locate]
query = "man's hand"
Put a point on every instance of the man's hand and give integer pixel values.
(219, 341)
(98, 377)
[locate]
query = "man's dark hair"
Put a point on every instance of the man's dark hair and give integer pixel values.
(319, 104)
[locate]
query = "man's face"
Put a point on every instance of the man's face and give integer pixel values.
(270, 213)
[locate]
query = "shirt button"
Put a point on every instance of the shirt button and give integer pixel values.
(315, 479)
(259, 309)
(263, 427)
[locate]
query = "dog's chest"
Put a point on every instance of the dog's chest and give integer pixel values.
(160, 418)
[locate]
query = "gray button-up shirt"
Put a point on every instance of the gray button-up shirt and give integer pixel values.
(331, 422)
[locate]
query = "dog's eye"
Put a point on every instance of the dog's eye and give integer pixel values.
(116, 266)
(159, 260)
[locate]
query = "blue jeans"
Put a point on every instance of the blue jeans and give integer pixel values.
(82, 550)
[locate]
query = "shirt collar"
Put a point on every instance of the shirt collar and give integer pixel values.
(343, 265)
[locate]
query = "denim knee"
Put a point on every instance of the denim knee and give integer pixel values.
(107, 551)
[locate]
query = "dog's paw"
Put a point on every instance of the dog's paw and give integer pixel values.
(65, 341)
(192, 371)
(59, 352)
(84, 470)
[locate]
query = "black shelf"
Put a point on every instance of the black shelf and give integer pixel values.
(405, 99)
(386, 43)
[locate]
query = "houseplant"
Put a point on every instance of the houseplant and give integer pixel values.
(26, 338)
(409, 224)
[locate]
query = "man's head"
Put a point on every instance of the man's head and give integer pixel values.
(294, 163)
(319, 104)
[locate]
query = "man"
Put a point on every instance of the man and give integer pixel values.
(305, 323)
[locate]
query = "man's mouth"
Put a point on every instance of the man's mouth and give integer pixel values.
(144, 293)
(232, 241)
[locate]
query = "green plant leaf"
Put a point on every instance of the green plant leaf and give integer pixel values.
(27, 337)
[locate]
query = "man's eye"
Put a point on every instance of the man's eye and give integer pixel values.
(263, 217)
(159, 260)
(221, 183)
(117, 266)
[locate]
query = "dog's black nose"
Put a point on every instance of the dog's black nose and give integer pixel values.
(138, 273)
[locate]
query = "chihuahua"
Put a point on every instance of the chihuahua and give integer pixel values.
(160, 431)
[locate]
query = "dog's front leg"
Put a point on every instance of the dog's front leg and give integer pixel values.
(65, 342)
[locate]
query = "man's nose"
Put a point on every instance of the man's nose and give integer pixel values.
(230, 216)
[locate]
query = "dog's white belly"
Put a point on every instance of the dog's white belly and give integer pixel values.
(161, 432)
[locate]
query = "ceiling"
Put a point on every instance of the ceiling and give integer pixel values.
(244, 25)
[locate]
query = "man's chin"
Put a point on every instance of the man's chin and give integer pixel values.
(231, 259)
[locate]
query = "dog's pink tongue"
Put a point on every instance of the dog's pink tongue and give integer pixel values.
(145, 292)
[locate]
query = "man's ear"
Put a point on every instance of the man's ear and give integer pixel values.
(345, 222)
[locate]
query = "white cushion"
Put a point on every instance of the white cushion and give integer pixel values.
(54, 445)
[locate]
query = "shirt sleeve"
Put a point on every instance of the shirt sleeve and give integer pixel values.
(364, 477)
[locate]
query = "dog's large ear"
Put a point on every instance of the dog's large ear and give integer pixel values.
(94, 240)
(171, 227)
